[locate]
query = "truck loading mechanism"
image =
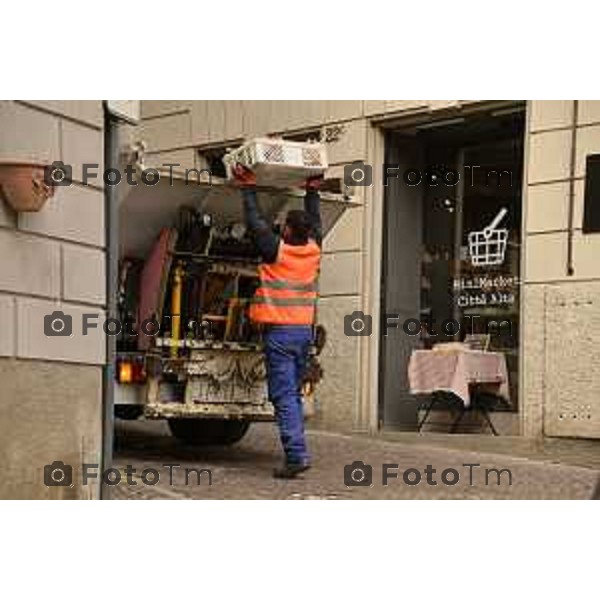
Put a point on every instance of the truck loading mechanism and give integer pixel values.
(188, 271)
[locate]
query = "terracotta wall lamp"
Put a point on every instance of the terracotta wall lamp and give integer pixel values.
(23, 187)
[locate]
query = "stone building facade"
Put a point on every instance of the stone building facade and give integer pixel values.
(51, 392)
(556, 374)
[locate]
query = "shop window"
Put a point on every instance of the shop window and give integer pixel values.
(471, 249)
(591, 210)
(313, 135)
(213, 159)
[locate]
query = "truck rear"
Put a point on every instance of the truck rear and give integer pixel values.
(187, 351)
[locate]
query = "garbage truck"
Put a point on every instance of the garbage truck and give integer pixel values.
(187, 351)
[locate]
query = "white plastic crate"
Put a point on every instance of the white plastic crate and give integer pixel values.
(279, 162)
(488, 247)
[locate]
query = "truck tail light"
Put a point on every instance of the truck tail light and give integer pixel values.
(131, 371)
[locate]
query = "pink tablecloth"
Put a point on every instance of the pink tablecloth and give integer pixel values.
(430, 371)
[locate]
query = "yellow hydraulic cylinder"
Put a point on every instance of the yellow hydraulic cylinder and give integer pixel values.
(176, 309)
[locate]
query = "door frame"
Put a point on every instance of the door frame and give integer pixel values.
(369, 411)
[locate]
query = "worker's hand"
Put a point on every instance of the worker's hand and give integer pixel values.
(314, 183)
(243, 176)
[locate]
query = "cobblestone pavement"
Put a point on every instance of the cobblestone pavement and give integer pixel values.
(244, 471)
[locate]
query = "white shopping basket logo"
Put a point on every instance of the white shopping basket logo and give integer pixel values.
(488, 247)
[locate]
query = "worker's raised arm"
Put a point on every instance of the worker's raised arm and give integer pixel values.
(266, 241)
(312, 205)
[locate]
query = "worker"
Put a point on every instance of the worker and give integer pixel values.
(284, 305)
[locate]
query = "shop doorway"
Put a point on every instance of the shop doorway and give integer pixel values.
(452, 240)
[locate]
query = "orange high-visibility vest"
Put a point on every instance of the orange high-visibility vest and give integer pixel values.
(287, 294)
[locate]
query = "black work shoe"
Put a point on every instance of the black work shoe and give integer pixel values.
(290, 470)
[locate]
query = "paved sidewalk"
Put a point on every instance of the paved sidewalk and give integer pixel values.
(565, 451)
(244, 470)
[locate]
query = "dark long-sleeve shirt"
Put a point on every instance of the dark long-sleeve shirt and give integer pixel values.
(266, 240)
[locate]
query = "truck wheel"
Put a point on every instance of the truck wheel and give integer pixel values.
(205, 432)
(128, 412)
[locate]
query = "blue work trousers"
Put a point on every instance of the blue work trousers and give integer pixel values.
(286, 353)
